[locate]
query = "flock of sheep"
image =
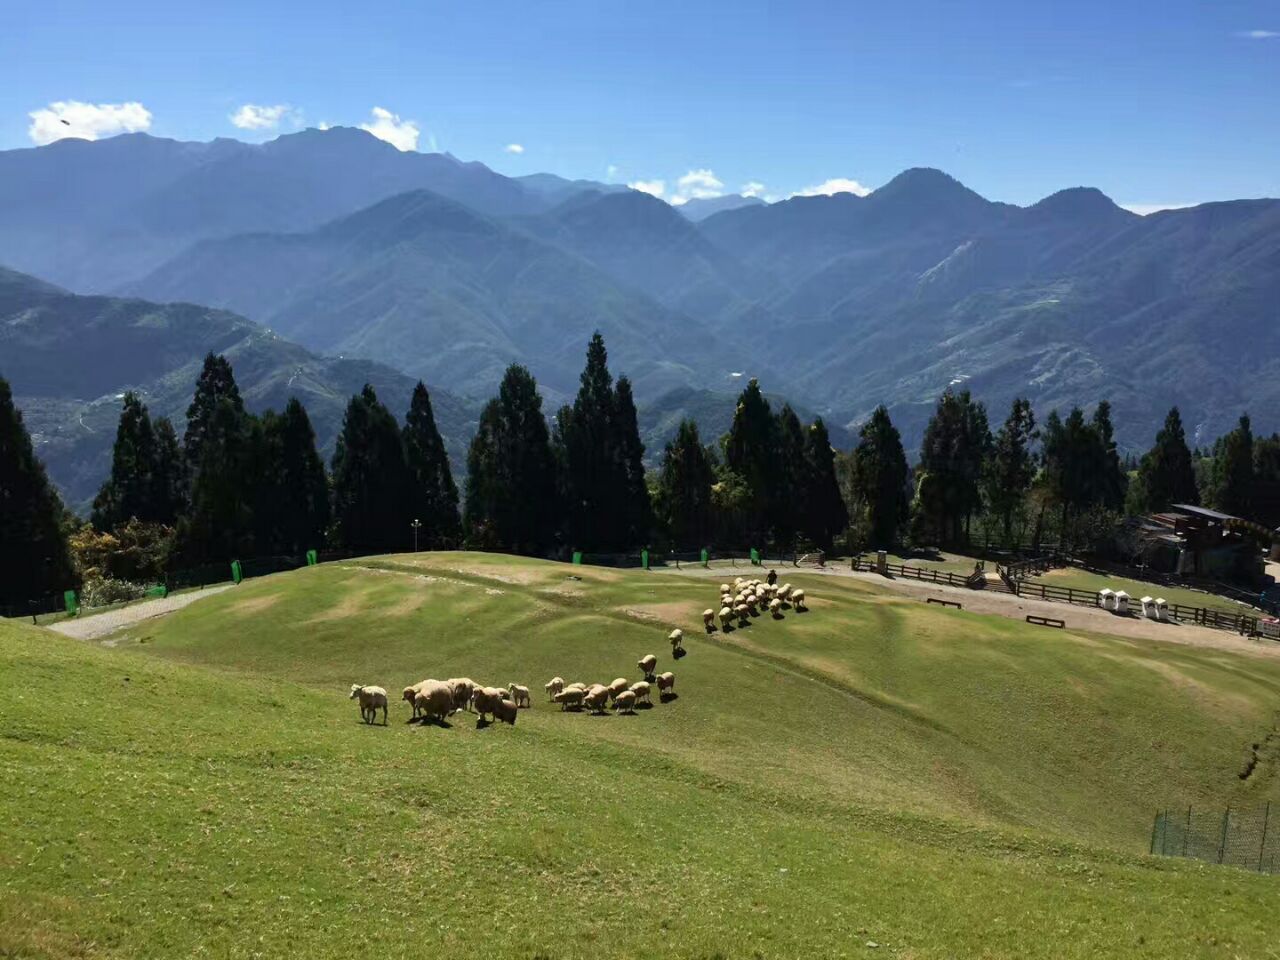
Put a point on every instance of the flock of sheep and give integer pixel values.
(438, 699)
(749, 598)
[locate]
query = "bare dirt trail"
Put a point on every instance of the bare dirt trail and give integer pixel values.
(1091, 619)
(101, 624)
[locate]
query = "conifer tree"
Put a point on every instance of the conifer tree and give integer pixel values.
(879, 474)
(823, 512)
(1011, 467)
(791, 478)
(34, 560)
(219, 525)
(216, 382)
(1108, 481)
(955, 447)
(511, 484)
(130, 489)
(304, 503)
(433, 496)
(168, 475)
(636, 510)
(751, 453)
(1166, 474)
(684, 489)
(1232, 479)
(370, 479)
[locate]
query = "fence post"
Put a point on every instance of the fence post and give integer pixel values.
(1155, 824)
(1222, 843)
(1266, 816)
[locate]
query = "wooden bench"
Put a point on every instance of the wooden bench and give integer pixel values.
(1046, 622)
(943, 603)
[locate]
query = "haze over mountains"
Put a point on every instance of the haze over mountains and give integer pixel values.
(448, 271)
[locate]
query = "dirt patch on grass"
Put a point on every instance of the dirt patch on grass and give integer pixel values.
(1201, 692)
(251, 605)
(406, 605)
(351, 605)
(686, 613)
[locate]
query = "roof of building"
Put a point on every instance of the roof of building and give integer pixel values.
(1203, 512)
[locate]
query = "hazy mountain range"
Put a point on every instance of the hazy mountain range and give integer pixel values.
(448, 271)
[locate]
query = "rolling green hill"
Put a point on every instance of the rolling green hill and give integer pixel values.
(874, 771)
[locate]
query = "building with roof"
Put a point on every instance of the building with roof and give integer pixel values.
(1193, 541)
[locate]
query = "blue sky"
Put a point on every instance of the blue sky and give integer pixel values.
(1154, 103)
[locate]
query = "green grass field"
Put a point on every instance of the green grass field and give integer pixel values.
(1137, 589)
(874, 771)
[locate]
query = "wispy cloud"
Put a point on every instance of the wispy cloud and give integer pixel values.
(514, 148)
(385, 125)
(753, 188)
(834, 185)
(1142, 209)
(1259, 34)
(655, 188)
(700, 184)
(87, 121)
(611, 171)
(253, 116)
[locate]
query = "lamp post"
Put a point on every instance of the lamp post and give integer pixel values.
(415, 524)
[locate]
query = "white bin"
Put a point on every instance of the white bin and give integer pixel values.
(1162, 609)
(1122, 602)
(1106, 599)
(1148, 607)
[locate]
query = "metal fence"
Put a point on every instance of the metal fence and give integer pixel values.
(1248, 838)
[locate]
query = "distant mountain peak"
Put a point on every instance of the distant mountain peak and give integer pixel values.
(700, 209)
(1077, 203)
(924, 183)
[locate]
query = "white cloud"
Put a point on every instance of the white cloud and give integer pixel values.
(698, 185)
(655, 188)
(253, 116)
(1260, 34)
(514, 148)
(88, 121)
(834, 185)
(1142, 209)
(611, 171)
(753, 188)
(323, 125)
(401, 134)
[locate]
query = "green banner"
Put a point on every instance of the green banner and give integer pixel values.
(644, 559)
(704, 557)
(755, 557)
(312, 558)
(577, 557)
(159, 590)
(71, 601)
(236, 573)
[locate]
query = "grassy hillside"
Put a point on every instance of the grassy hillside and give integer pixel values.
(873, 771)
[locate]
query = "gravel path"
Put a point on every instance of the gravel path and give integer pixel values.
(1076, 617)
(101, 624)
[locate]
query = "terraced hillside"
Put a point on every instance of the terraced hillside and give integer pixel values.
(873, 771)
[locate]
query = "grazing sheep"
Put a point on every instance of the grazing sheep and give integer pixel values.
(797, 599)
(596, 699)
(554, 686)
(520, 694)
(647, 664)
(371, 699)
(463, 688)
(579, 686)
(726, 615)
(569, 697)
(677, 639)
(486, 700)
(709, 619)
(784, 592)
(618, 686)
(505, 710)
(411, 694)
(666, 683)
(625, 702)
(434, 700)
(744, 617)
(724, 588)
(641, 689)
(775, 608)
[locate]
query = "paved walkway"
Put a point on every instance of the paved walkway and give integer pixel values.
(1092, 619)
(100, 624)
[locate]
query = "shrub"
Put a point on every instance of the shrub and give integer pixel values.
(104, 590)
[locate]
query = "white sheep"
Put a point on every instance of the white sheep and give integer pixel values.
(797, 599)
(625, 702)
(569, 697)
(726, 615)
(724, 588)
(709, 619)
(784, 592)
(666, 683)
(505, 710)
(775, 608)
(487, 699)
(619, 685)
(641, 689)
(576, 685)
(411, 694)
(434, 700)
(371, 699)
(744, 617)
(597, 698)
(520, 694)
(647, 664)
(677, 639)
(554, 686)
(463, 688)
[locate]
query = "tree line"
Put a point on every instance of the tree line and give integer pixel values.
(238, 484)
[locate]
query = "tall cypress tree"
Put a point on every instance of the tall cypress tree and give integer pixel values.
(216, 383)
(370, 479)
(1108, 481)
(955, 446)
(511, 484)
(1232, 480)
(880, 478)
(823, 512)
(791, 482)
(220, 524)
(304, 513)
(168, 475)
(636, 509)
(433, 496)
(1165, 474)
(34, 560)
(684, 489)
(593, 474)
(1011, 467)
(751, 453)
(129, 491)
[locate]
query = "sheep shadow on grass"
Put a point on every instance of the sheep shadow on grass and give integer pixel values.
(433, 722)
(644, 706)
(669, 696)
